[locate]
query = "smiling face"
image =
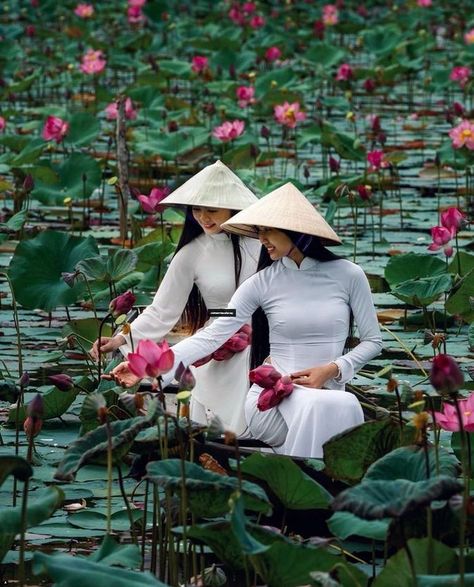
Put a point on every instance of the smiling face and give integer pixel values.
(277, 243)
(210, 219)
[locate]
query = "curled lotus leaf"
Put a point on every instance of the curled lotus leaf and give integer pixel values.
(16, 466)
(374, 500)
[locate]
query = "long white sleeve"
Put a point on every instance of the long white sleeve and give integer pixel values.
(360, 300)
(245, 301)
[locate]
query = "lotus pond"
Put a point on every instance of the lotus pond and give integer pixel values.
(367, 108)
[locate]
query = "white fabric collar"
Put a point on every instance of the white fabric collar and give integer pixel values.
(307, 263)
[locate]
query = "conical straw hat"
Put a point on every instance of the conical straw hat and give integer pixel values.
(285, 208)
(215, 186)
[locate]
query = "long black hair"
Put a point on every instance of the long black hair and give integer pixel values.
(195, 313)
(311, 247)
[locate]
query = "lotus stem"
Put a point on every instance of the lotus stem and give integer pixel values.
(143, 538)
(21, 562)
(405, 348)
(127, 504)
(109, 476)
(408, 551)
(99, 362)
(462, 521)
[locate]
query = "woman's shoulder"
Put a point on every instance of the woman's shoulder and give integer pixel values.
(251, 246)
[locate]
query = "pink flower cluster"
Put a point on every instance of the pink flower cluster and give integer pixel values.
(469, 37)
(229, 130)
(330, 14)
(345, 73)
(199, 63)
(236, 344)
(150, 204)
(134, 11)
(244, 14)
(3, 124)
(84, 10)
(55, 129)
(245, 96)
(111, 112)
(463, 135)
(272, 54)
(289, 114)
(93, 62)
(275, 386)
(376, 160)
(150, 359)
(424, 3)
(451, 221)
(460, 74)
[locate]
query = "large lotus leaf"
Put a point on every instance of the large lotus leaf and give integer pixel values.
(30, 153)
(289, 564)
(170, 146)
(85, 330)
(422, 291)
(323, 56)
(16, 466)
(411, 462)
(55, 403)
(462, 260)
(75, 571)
(460, 300)
(153, 253)
(347, 146)
(238, 522)
(93, 446)
(94, 520)
(283, 78)
(397, 571)
(348, 455)
(444, 580)
(39, 508)
(413, 266)
(109, 269)
(80, 175)
(294, 488)
(208, 493)
(382, 39)
(83, 129)
(374, 500)
(456, 445)
(36, 267)
(345, 524)
(110, 553)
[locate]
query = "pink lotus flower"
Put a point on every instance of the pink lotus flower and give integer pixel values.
(318, 29)
(150, 359)
(264, 375)
(62, 381)
(448, 418)
(55, 129)
(369, 85)
(199, 63)
(334, 164)
(30, 30)
(364, 191)
(137, 3)
(453, 219)
(463, 135)
(460, 74)
(135, 14)
(283, 387)
(249, 7)
(377, 160)
(257, 22)
(245, 95)
(111, 112)
(84, 10)
(237, 16)
(424, 3)
(441, 237)
(469, 37)
(93, 62)
(330, 14)
(150, 204)
(374, 122)
(288, 114)
(445, 375)
(235, 344)
(3, 124)
(229, 130)
(267, 399)
(344, 73)
(122, 304)
(272, 53)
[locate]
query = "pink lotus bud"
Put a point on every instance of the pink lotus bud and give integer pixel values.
(267, 399)
(32, 427)
(35, 407)
(185, 378)
(265, 375)
(122, 304)
(24, 380)
(284, 386)
(453, 219)
(369, 85)
(334, 164)
(222, 354)
(62, 381)
(446, 376)
(272, 54)
(28, 183)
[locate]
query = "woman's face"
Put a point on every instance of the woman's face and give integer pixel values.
(277, 243)
(210, 219)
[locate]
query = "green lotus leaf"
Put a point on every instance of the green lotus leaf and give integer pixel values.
(238, 522)
(109, 269)
(413, 266)
(374, 500)
(16, 466)
(345, 524)
(345, 145)
(85, 330)
(397, 571)
(348, 455)
(80, 175)
(294, 488)
(76, 571)
(443, 580)
(36, 267)
(39, 508)
(459, 301)
(324, 55)
(382, 39)
(110, 552)
(411, 462)
(55, 403)
(282, 77)
(93, 446)
(208, 493)
(83, 129)
(422, 291)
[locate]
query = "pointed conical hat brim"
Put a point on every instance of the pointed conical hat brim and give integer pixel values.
(284, 208)
(215, 186)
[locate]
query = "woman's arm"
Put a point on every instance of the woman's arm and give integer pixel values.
(362, 305)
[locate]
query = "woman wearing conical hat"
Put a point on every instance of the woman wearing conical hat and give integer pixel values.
(205, 271)
(308, 296)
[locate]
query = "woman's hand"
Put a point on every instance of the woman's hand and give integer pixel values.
(107, 345)
(316, 376)
(122, 375)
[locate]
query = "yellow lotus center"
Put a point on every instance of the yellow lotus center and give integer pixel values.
(467, 132)
(467, 413)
